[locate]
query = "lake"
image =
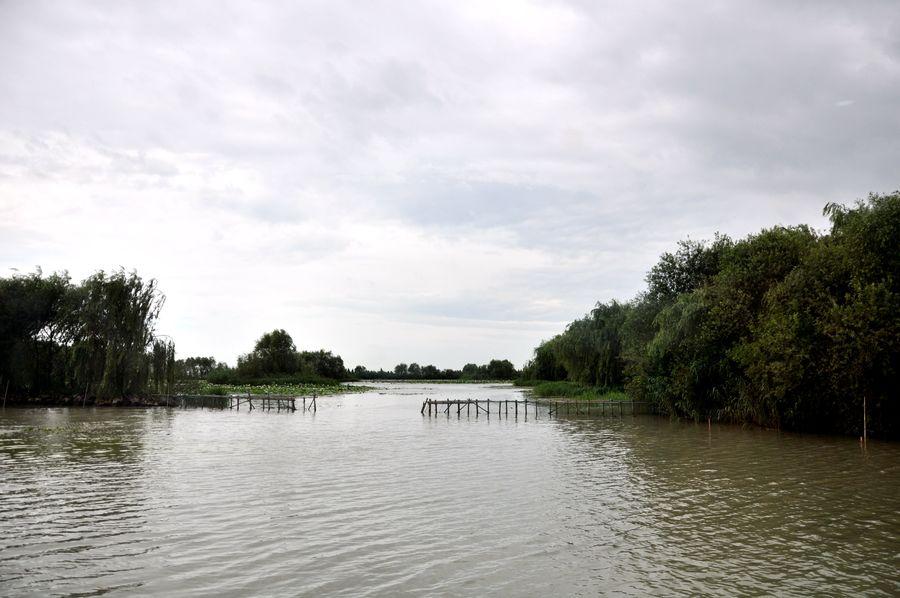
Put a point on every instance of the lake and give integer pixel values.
(367, 497)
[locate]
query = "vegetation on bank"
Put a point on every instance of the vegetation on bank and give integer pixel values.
(203, 387)
(95, 338)
(273, 360)
(571, 390)
(94, 343)
(787, 328)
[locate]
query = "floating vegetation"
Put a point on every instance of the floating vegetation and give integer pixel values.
(202, 387)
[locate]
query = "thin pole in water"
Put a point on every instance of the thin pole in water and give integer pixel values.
(865, 434)
(6, 392)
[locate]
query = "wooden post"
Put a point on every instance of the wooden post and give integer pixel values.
(517, 408)
(865, 433)
(5, 392)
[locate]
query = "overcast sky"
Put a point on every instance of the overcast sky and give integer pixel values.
(432, 182)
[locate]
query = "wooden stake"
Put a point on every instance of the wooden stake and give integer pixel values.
(865, 434)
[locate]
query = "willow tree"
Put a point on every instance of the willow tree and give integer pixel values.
(115, 319)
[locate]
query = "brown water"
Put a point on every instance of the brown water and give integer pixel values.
(368, 498)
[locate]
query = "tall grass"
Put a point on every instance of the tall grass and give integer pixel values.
(572, 390)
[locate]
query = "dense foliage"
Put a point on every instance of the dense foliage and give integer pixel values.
(93, 339)
(275, 359)
(496, 369)
(786, 328)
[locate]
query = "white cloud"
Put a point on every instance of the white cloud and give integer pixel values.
(441, 182)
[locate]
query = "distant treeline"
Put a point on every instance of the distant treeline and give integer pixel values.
(275, 358)
(94, 338)
(496, 369)
(787, 328)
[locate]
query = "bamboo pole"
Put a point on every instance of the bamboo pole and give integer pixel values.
(865, 433)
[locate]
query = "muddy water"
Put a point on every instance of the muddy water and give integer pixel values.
(368, 498)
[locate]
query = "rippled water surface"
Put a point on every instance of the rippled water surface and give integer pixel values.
(368, 497)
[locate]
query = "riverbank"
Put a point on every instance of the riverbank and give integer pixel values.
(80, 401)
(543, 389)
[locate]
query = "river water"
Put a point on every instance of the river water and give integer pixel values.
(367, 497)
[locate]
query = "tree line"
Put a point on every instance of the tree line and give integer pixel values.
(787, 328)
(94, 338)
(97, 339)
(496, 369)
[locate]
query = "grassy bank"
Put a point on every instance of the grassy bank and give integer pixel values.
(571, 390)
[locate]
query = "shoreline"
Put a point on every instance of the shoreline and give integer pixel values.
(89, 402)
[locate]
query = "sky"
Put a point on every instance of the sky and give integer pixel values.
(440, 182)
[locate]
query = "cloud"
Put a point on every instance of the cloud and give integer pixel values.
(443, 182)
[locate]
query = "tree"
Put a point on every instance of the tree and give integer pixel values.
(276, 352)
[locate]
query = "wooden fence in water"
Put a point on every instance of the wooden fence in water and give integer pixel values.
(248, 401)
(547, 407)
